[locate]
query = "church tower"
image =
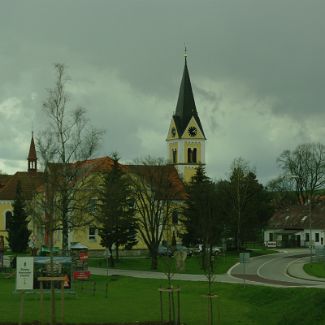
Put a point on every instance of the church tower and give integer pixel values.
(186, 138)
(32, 158)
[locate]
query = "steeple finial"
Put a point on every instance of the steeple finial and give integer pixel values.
(185, 51)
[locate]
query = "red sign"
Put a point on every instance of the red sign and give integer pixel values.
(83, 256)
(81, 275)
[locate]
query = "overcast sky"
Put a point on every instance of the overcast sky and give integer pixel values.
(257, 70)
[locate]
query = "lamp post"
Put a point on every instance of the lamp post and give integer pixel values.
(310, 234)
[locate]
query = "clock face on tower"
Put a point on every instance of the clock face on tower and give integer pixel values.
(192, 131)
(173, 132)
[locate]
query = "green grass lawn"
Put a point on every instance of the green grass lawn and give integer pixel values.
(193, 264)
(131, 299)
(315, 269)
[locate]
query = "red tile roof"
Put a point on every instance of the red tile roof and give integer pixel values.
(33, 181)
(4, 179)
(29, 183)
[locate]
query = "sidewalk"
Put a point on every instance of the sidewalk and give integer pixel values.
(296, 270)
(160, 275)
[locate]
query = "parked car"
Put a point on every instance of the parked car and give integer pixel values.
(164, 251)
(179, 247)
(198, 249)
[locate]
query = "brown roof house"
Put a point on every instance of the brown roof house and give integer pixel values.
(297, 226)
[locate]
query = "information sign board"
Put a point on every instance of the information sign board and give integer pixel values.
(24, 273)
(244, 257)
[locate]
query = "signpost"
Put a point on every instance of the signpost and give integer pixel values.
(25, 273)
(244, 258)
(24, 279)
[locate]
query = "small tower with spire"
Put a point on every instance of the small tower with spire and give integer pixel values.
(186, 138)
(32, 158)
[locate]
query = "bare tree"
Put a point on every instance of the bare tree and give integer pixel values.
(157, 189)
(67, 139)
(281, 189)
(61, 203)
(306, 167)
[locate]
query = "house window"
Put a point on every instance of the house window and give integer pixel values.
(307, 237)
(92, 205)
(317, 237)
(92, 233)
(271, 236)
(8, 216)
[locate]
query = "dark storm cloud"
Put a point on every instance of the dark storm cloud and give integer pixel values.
(251, 63)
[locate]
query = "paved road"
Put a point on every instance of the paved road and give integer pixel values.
(284, 269)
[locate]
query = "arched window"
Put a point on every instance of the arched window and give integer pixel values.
(174, 156)
(8, 216)
(189, 155)
(194, 155)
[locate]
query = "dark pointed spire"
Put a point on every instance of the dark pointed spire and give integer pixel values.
(32, 157)
(185, 108)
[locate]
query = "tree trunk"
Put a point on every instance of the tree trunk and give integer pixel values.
(111, 257)
(238, 231)
(154, 259)
(53, 316)
(117, 252)
(65, 237)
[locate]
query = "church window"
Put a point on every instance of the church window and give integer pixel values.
(189, 155)
(194, 155)
(174, 156)
(8, 216)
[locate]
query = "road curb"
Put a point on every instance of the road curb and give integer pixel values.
(307, 277)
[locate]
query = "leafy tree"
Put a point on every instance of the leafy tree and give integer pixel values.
(203, 217)
(116, 211)
(18, 232)
(246, 203)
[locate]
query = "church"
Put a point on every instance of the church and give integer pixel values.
(186, 151)
(186, 138)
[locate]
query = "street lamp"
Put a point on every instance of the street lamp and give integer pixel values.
(310, 234)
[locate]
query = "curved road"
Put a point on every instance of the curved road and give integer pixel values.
(284, 269)
(281, 269)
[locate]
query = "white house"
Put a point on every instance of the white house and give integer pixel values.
(297, 226)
